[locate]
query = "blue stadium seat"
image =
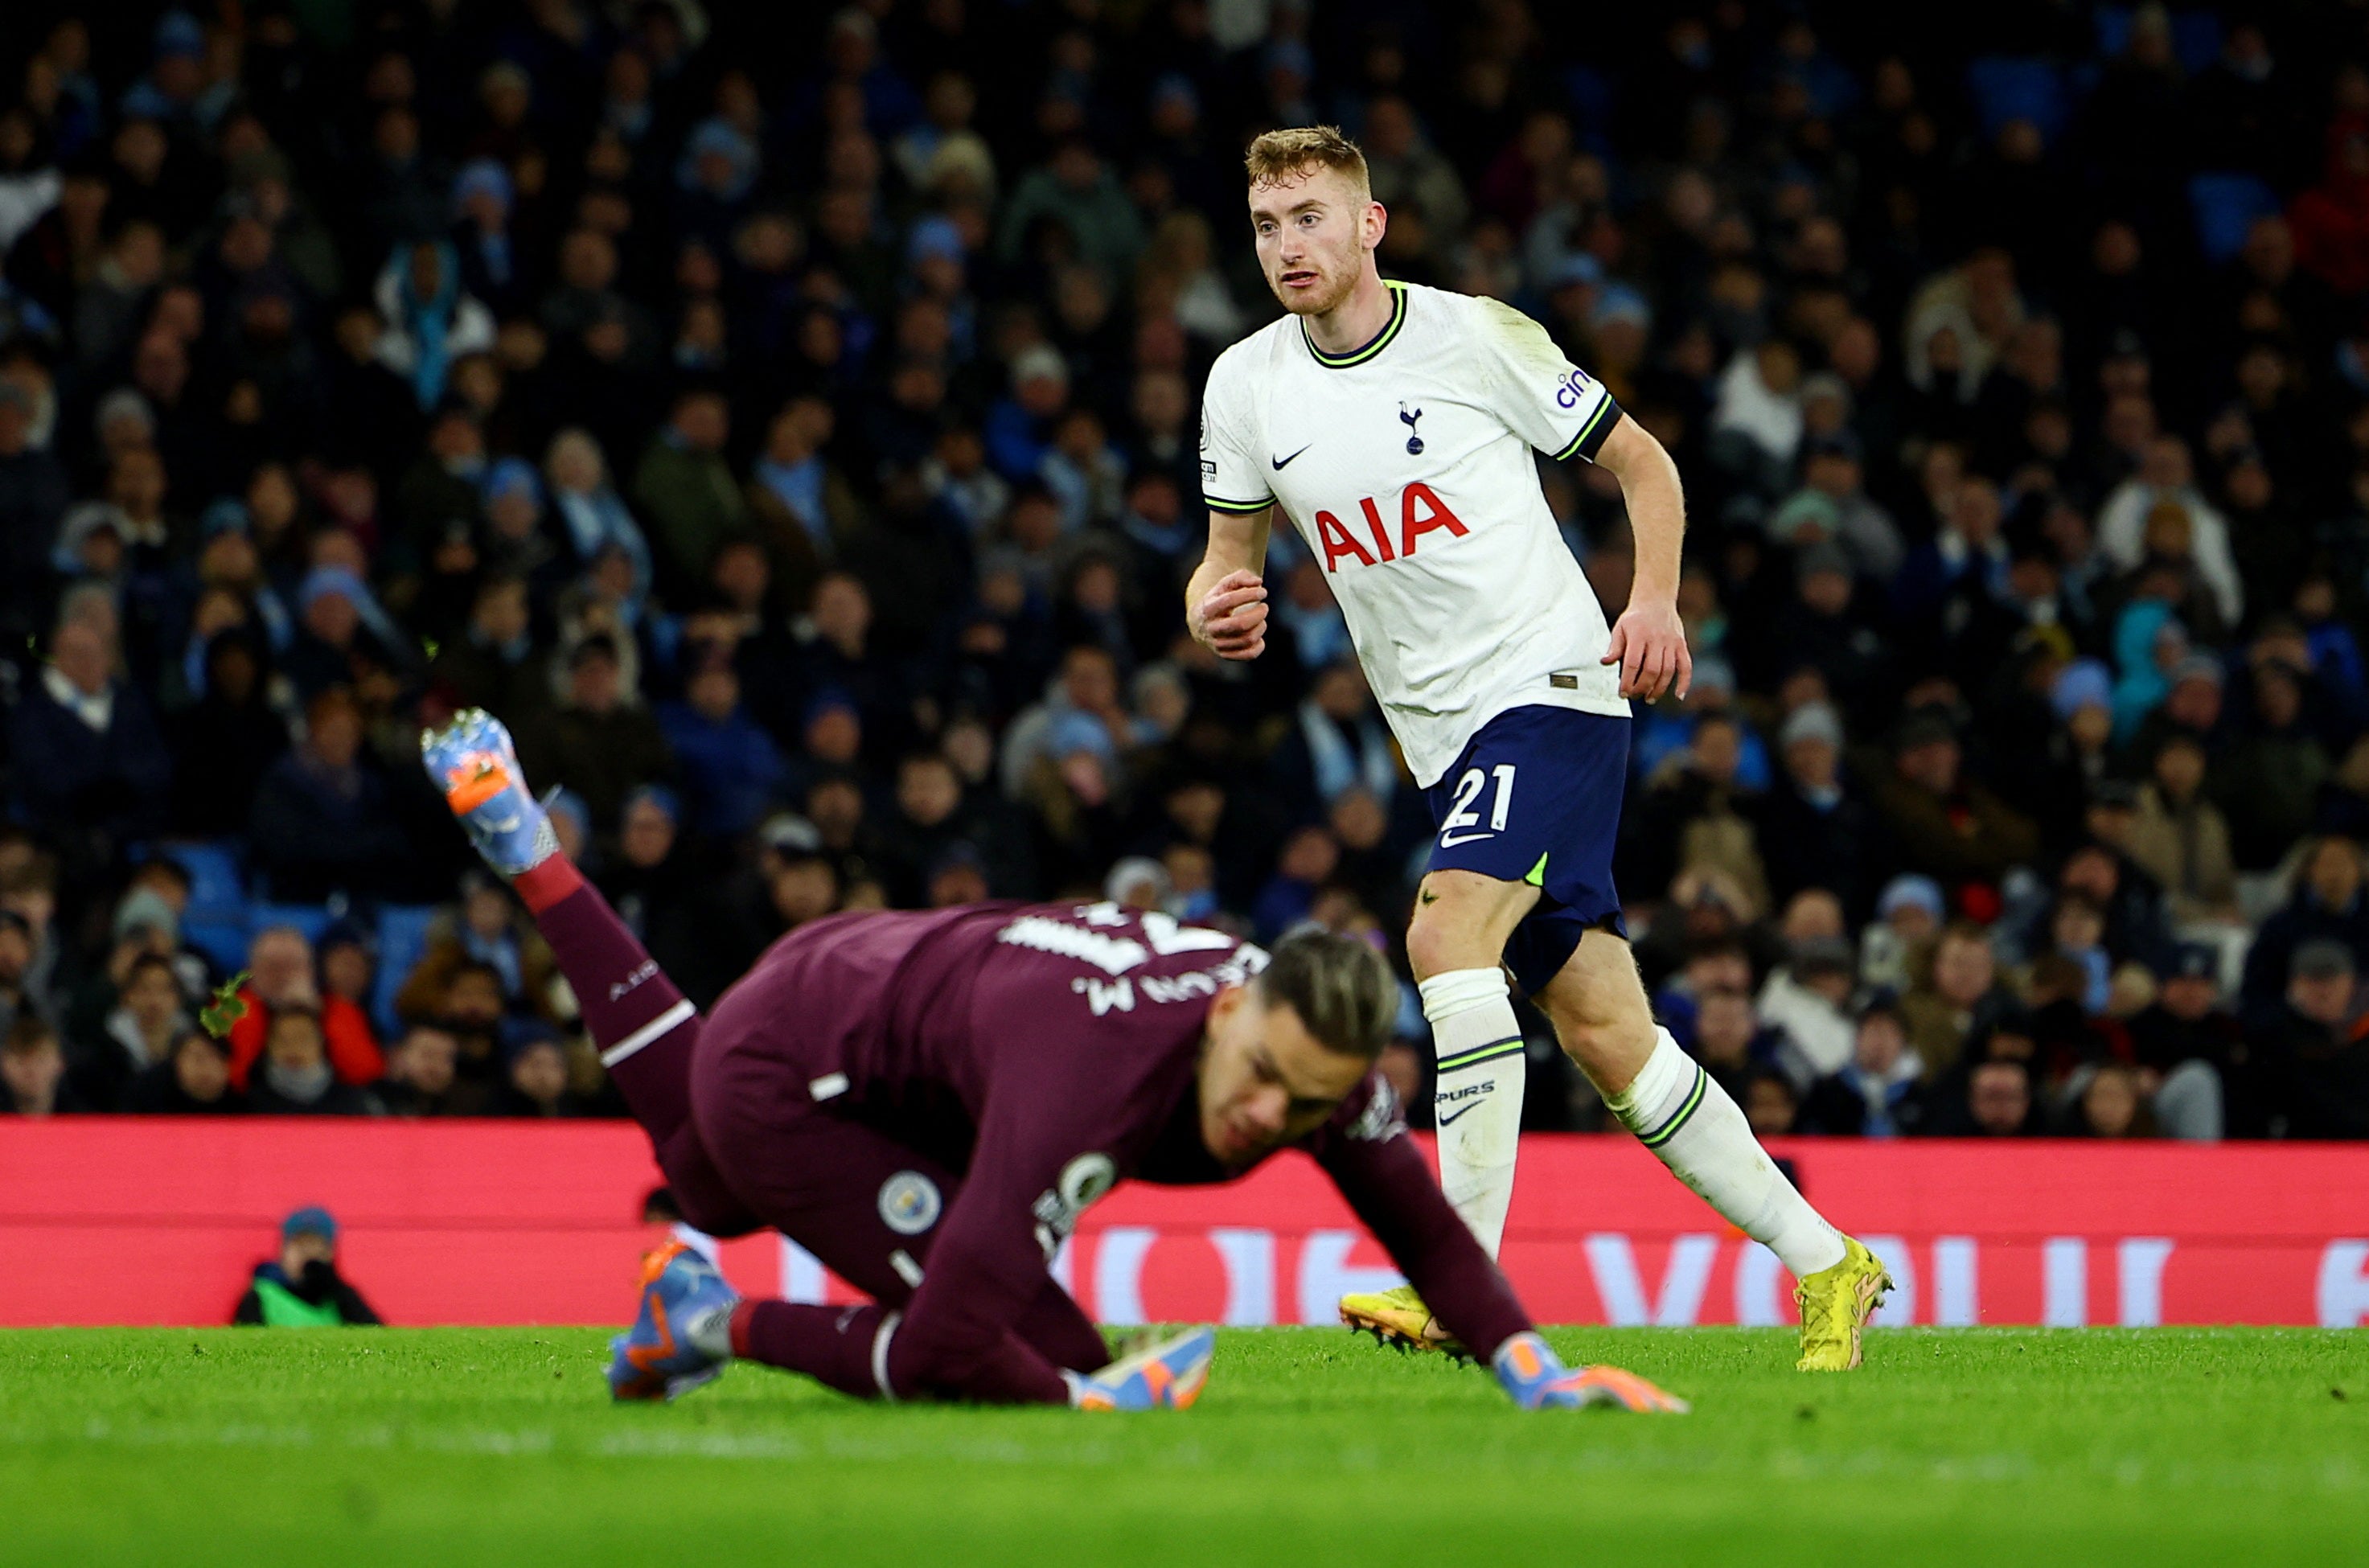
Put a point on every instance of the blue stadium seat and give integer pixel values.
(216, 883)
(217, 923)
(402, 942)
(220, 935)
(2006, 88)
(2225, 206)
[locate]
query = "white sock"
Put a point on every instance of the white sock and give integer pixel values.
(1681, 1113)
(1478, 1107)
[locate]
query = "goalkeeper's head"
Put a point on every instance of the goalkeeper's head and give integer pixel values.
(1284, 1048)
(1313, 215)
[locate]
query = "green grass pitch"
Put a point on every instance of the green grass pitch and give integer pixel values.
(460, 1447)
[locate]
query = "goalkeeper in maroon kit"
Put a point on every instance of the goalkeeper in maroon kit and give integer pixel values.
(927, 1103)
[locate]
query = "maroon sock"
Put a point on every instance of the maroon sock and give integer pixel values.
(841, 1347)
(830, 1345)
(629, 1006)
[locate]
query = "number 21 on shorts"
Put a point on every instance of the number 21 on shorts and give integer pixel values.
(1461, 816)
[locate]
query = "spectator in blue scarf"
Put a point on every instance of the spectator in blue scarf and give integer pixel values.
(431, 322)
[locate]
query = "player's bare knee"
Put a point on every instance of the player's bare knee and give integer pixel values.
(1461, 921)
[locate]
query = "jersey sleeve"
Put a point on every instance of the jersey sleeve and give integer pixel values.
(1543, 397)
(1234, 473)
(1035, 1168)
(1366, 1150)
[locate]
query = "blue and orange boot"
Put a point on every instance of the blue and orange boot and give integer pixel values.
(1535, 1377)
(474, 764)
(683, 1337)
(1168, 1375)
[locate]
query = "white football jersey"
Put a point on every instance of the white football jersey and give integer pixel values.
(1406, 466)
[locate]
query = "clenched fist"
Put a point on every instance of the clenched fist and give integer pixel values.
(1230, 620)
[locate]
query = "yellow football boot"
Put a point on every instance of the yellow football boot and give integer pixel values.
(1398, 1318)
(1835, 1304)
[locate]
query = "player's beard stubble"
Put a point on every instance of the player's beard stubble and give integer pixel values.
(1337, 279)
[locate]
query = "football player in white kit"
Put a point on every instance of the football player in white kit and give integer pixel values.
(1393, 426)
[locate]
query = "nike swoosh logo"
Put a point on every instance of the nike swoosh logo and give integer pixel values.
(1448, 842)
(1279, 461)
(1461, 1113)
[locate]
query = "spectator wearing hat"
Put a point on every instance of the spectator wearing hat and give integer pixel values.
(515, 542)
(602, 743)
(653, 882)
(1878, 1093)
(2316, 1058)
(1813, 828)
(2329, 904)
(331, 631)
(1821, 627)
(2201, 1070)
(492, 266)
(1942, 823)
(1910, 914)
(302, 1288)
(2077, 755)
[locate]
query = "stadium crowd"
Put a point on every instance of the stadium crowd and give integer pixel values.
(785, 419)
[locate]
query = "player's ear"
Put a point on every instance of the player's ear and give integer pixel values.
(1227, 1002)
(1378, 223)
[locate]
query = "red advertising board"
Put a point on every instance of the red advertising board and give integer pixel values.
(156, 1221)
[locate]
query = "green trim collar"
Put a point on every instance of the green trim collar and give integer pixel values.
(1381, 339)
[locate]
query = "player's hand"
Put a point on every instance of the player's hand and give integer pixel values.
(1649, 643)
(1230, 620)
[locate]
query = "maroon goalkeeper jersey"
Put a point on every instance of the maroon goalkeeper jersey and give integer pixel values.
(1047, 1052)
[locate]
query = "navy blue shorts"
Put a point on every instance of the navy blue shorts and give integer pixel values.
(1536, 798)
